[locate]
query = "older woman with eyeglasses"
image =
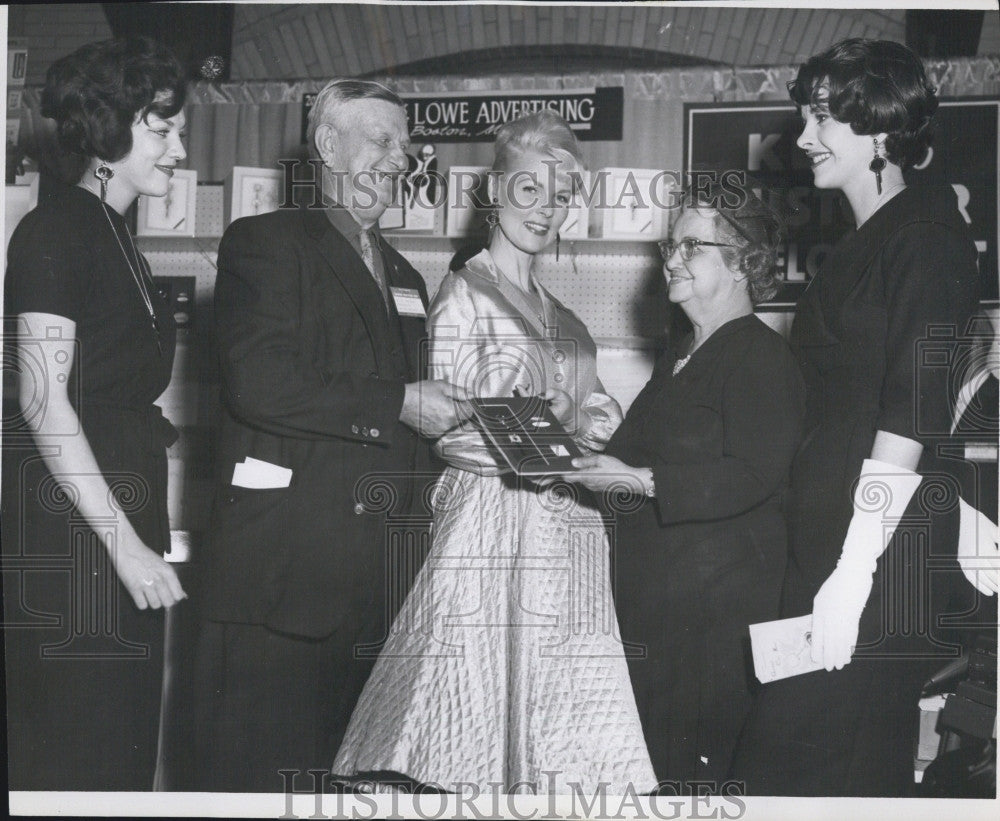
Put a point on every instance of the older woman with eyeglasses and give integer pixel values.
(705, 449)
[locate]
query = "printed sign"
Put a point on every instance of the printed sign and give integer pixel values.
(460, 117)
(17, 62)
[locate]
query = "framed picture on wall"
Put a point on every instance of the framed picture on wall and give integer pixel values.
(252, 191)
(414, 212)
(420, 216)
(577, 223)
(173, 214)
(17, 61)
(392, 218)
(634, 206)
(413, 219)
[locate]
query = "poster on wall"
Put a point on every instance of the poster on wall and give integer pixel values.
(461, 117)
(759, 139)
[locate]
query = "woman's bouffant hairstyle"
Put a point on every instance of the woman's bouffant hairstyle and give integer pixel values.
(95, 94)
(874, 86)
(753, 230)
(544, 132)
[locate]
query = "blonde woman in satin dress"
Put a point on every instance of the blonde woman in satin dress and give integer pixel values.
(505, 668)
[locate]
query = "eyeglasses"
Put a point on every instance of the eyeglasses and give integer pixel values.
(687, 247)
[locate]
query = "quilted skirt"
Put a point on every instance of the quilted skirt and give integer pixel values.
(504, 668)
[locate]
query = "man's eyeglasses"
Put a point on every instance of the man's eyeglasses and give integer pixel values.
(688, 246)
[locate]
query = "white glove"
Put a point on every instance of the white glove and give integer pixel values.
(978, 552)
(880, 498)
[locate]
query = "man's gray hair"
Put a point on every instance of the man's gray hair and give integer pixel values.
(342, 91)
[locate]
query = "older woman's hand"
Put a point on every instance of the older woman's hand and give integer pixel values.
(599, 472)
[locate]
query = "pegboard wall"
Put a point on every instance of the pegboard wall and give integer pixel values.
(192, 256)
(209, 210)
(615, 287)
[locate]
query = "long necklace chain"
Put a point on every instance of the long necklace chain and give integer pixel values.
(137, 275)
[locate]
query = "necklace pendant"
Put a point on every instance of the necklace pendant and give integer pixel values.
(156, 334)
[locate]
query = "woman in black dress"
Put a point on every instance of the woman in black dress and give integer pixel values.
(84, 461)
(874, 413)
(709, 440)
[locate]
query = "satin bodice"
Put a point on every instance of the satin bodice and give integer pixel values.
(487, 338)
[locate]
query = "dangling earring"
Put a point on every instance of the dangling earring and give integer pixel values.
(877, 166)
(493, 217)
(104, 173)
(557, 246)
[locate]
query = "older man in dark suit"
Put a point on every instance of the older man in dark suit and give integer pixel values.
(319, 323)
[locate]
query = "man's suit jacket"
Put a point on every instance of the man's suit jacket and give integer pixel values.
(313, 366)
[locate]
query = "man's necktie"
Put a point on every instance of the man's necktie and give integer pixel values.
(368, 255)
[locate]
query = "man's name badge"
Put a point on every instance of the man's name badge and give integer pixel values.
(408, 302)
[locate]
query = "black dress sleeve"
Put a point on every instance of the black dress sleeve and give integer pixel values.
(931, 280)
(49, 268)
(762, 410)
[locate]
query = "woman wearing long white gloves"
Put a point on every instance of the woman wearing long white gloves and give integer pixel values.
(873, 418)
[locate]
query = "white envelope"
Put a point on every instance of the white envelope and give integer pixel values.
(781, 648)
(260, 475)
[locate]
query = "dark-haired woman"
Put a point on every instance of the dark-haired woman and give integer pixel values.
(872, 412)
(84, 462)
(709, 440)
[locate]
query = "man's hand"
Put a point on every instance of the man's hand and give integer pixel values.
(434, 406)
